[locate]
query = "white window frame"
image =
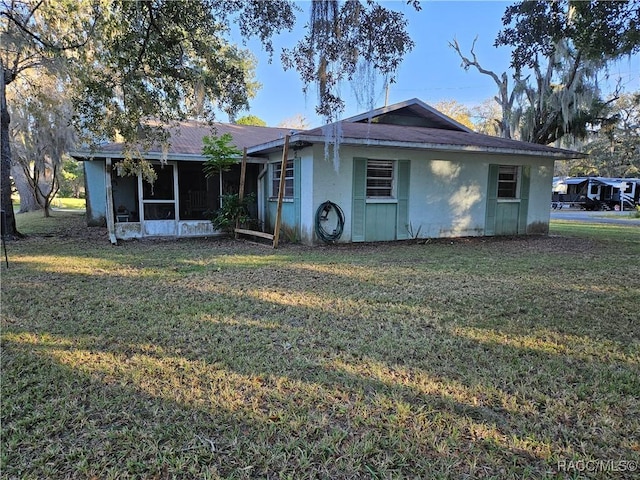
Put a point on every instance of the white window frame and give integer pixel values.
(289, 180)
(379, 164)
(518, 175)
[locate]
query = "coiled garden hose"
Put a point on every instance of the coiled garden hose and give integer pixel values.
(322, 216)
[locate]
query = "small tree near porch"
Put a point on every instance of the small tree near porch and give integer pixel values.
(221, 156)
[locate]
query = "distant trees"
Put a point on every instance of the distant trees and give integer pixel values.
(486, 117)
(455, 110)
(40, 134)
(251, 120)
(614, 149)
(298, 121)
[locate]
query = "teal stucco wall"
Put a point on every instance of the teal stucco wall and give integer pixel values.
(95, 186)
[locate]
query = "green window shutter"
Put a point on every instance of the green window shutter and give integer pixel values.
(359, 199)
(492, 200)
(402, 221)
(524, 199)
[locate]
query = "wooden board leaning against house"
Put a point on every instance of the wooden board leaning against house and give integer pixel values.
(276, 234)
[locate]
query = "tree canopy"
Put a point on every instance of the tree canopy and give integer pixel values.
(139, 65)
(343, 39)
(614, 149)
(251, 120)
(597, 29)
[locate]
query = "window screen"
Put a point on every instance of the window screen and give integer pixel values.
(379, 178)
(508, 182)
(288, 179)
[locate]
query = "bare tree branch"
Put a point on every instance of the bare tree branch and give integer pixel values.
(505, 99)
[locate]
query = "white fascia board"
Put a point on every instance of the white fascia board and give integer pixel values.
(154, 156)
(440, 147)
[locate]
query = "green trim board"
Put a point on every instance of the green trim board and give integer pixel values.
(359, 204)
(402, 214)
(525, 186)
(492, 200)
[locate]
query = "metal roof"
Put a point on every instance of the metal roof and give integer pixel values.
(186, 140)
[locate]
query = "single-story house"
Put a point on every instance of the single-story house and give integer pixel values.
(401, 171)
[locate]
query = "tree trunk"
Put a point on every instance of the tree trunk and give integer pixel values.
(28, 201)
(5, 163)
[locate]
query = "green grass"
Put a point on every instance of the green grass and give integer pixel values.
(58, 202)
(485, 358)
(69, 203)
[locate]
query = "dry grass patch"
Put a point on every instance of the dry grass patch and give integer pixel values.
(495, 358)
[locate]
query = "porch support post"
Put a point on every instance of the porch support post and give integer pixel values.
(243, 172)
(283, 172)
(111, 228)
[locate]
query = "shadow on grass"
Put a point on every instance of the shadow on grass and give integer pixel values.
(285, 386)
(332, 424)
(167, 359)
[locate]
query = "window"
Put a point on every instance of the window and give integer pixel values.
(288, 179)
(380, 178)
(508, 182)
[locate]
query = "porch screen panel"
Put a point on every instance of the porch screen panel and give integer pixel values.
(359, 199)
(402, 220)
(162, 188)
(492, 200)
(159, 198)
(524, 199)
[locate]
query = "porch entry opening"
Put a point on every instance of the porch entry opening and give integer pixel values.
(159, 201)
(199, 196)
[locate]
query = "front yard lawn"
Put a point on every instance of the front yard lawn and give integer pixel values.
(472, 358)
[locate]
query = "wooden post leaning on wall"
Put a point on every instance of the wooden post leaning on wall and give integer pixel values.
(283, 173)
(243, 172)
(110, 217)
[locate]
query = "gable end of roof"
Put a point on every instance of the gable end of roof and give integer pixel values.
(414, 113)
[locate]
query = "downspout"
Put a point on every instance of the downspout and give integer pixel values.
(111, 228)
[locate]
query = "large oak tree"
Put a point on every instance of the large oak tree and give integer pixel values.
(167, 60)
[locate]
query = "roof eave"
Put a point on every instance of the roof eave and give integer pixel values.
(442, 147)
(154, 156)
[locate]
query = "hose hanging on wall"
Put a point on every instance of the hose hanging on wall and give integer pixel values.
(322, 216)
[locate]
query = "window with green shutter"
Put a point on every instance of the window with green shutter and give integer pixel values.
(380, 178)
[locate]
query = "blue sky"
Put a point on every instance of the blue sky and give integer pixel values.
(431, 72)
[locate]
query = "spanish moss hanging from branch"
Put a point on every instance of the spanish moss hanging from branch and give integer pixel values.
(347, 41)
